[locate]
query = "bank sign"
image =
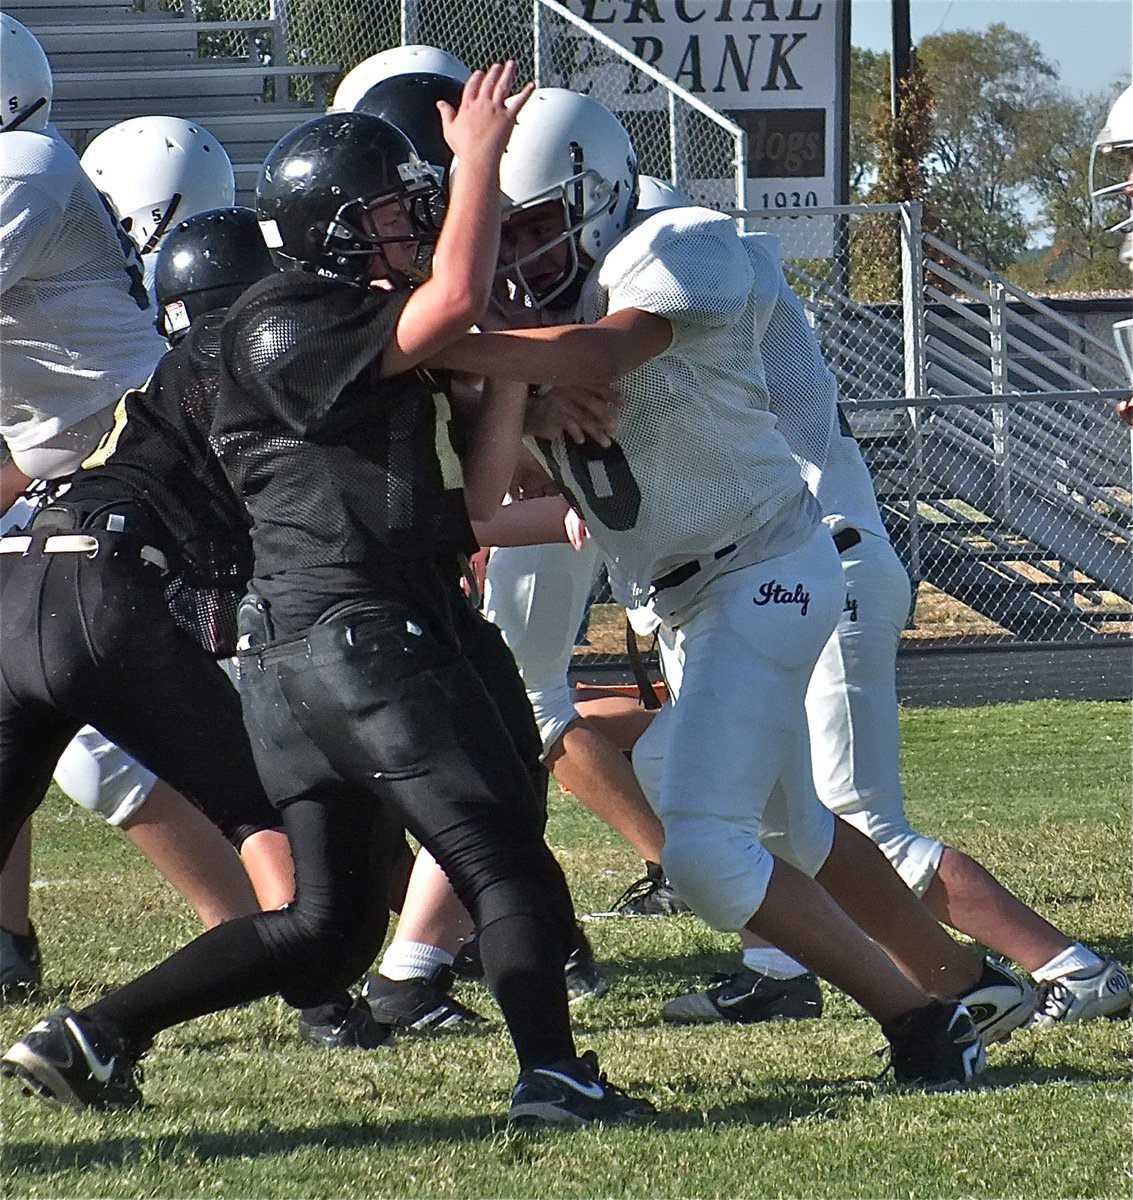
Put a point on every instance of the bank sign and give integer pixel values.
(778, 68)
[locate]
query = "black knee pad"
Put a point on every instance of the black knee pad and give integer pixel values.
(319, 954)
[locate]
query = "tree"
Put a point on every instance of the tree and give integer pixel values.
(869, 96)
(1053, 164)
(900, 145)
(986, 138)
(986, 87)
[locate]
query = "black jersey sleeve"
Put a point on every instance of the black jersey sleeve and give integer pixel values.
(294, 343)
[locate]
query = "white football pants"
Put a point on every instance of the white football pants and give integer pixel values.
(851, 708)
(537, 596)
(726, 763)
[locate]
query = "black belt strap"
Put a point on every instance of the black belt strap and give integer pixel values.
(640, 674)
(845, 539)
(685, 571)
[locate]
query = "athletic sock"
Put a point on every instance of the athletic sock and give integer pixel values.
(412, 960)
(1073, 959)
(771, 961)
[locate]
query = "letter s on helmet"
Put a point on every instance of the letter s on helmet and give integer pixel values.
(25, 78)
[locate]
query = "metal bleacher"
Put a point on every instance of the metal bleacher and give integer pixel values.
(112, 61)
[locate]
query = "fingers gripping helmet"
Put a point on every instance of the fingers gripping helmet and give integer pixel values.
(157, 171)
(1111, 166)
(25, 78)
(319, 181)
(568, 147)
(205, 263)
(400, 60)
(410, 103)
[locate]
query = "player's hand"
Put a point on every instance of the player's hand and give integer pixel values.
(480, 127)
(1124, 410)
(581, 414)
(530, 481)
(577, 533)
(478, 565)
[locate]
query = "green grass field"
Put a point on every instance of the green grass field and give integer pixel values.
(238, 1107)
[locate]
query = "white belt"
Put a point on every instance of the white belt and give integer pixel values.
(75, 543)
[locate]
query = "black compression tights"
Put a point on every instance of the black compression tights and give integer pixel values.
(344, 847)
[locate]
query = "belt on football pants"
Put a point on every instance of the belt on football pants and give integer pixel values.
(74, 543)
(846, 539)
(687, 570)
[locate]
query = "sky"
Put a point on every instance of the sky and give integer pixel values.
(1089, 41)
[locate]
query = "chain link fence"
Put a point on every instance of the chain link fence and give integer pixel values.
(678, 136)
(986, 420)
(1002, 475)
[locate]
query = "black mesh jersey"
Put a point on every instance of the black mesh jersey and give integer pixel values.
(158, 454)
(336, 465)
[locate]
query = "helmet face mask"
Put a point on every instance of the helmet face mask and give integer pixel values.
(569, 149)
(355, 230)
(320, 191)
(561, 213)
(25, 79)
(1111, 168)
(410, 103)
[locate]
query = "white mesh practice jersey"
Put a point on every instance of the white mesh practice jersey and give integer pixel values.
(697, 466)
(804, 397)
(76, 325)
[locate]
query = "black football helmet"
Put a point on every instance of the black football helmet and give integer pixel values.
(410, 103)
(318, 182)
(204, 264)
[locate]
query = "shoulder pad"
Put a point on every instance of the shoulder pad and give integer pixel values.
(687, 264)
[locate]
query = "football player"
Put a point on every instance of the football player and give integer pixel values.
(852, 717)
(68, 271)
(1111, 191)
(363, 711)
(412, 985)
(705, 523)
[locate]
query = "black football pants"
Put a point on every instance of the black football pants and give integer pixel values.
(368, 724)
(89, 640)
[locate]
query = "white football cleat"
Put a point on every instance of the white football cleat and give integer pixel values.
(1084, 997)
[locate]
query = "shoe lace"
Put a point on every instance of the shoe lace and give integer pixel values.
(638, 890)
(590, 1059)
(1053, 998)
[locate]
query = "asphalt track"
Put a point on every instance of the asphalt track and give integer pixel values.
(956, 676)
(969, 676)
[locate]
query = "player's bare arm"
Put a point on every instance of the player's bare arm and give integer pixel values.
(489, 460)
(527, 523)
(456, 295)
(13, 484)
(586, 355)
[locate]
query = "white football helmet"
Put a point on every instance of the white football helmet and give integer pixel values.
(25, 78)
(1111, 167)
(569, 147)
(654, 193)
(400, 60)
(157, 171)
